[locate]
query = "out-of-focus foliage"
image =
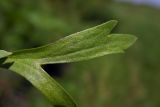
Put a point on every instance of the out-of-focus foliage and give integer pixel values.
(129, 80)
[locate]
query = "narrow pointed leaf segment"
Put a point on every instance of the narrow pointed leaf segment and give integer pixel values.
(84, 45)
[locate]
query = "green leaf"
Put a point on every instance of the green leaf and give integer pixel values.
(84, 45)
(33, 72)
(70, 44)
(4, 53)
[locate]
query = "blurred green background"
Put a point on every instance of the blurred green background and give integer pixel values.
(131, 79)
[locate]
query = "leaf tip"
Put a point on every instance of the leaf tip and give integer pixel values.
(4, 53)
(131, 39)
(110, 24)
(121, 41)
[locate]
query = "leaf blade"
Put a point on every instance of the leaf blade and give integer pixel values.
(4, 53)
(74, 42)
(117, 43)
(42, 81)
(84, 45)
